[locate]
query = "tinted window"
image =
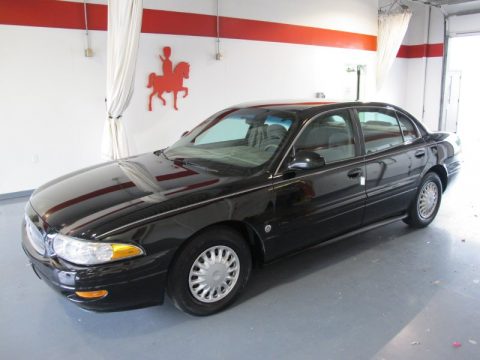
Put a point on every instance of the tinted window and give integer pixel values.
(380, 129)
(408, 129)
(330, 136)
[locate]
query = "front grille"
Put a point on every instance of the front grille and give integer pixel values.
(35, 236)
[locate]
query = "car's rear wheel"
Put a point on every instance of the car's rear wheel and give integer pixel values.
(427, 202)
(210, 271)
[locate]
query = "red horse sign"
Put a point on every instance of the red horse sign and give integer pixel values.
(171, 80)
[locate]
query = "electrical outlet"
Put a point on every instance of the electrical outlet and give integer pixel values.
(219, 56)
(350, 68)
(88, 52)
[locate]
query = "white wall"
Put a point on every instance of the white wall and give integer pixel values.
(394, 88)
(52, 97)
(51, 104)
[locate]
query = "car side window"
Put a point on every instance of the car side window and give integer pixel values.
(381, 129)
(330, 136)
(408, 129)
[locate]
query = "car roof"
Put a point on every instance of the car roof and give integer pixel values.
(310, 107)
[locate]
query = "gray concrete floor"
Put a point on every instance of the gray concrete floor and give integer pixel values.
(392, 293)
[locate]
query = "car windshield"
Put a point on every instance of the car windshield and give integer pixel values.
(245, 138)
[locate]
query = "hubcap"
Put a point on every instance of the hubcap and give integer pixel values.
(428, 199)
(214, 274)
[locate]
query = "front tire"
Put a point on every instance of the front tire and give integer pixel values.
(210, 272)
(425, 206)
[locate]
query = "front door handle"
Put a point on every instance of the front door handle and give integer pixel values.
(420, 153)
(354, 173)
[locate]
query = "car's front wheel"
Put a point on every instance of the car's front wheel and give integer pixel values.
(210, 271)
(427, 202)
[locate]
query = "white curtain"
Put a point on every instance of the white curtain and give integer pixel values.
(124, 26)
(392, 28)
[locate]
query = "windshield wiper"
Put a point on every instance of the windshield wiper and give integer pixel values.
(161, 151)
(183, 161)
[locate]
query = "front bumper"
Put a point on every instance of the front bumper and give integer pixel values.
(134, 283)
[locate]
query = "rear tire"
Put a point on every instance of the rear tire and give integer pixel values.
(427, 201)
(210, 272)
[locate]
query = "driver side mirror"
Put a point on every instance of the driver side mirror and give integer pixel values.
(306, 160)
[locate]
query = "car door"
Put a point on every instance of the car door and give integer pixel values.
(314, 205)
(395, 156)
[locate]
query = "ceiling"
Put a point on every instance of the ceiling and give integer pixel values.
(459, 7)
(449, 7)
(446, 2)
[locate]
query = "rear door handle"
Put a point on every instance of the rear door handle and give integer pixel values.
(420, 153)
(354, 173)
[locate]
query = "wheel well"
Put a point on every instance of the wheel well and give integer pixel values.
(249, 234)
(246, 231)
(442, 174)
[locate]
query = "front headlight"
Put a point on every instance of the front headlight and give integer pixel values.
(84, 252)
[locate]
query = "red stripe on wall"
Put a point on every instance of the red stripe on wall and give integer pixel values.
(69, 15)
(420, 51)
(50, 13)
(294, 34)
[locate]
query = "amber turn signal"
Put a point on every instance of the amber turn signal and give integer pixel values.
(97, 294)
(121, 251)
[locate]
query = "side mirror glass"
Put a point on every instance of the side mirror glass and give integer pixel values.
(306, 160)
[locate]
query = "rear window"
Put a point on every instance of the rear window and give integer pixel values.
(408, 129)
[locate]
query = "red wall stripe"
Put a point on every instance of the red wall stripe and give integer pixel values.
(69, 15)
(294, 34)
(50, 13)
(420, 51)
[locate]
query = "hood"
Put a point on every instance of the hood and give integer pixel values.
(91, 201)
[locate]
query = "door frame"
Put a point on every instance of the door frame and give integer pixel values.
(447, 36)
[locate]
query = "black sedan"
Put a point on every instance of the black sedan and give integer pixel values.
(245, 187)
